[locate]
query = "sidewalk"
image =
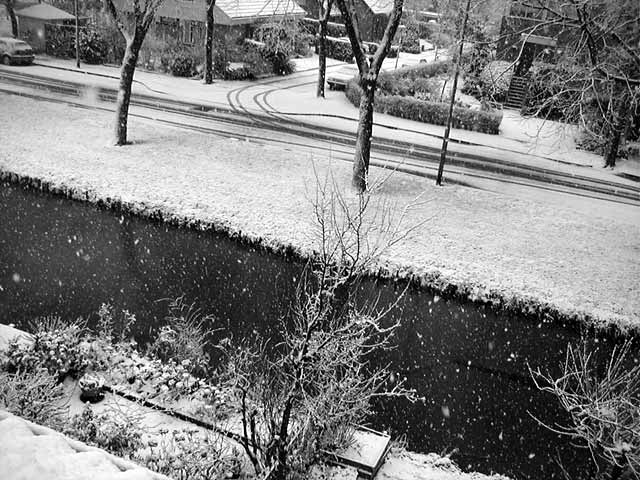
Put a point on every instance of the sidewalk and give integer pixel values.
(522, 141)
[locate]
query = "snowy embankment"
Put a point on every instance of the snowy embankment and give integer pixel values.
(517, 254)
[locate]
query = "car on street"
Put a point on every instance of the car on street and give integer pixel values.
(15, 51)
(342, 76)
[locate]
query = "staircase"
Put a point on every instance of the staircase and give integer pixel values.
(516, 93)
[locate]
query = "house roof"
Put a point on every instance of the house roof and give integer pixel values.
(244, 11)
(44, 11)
(379, 6)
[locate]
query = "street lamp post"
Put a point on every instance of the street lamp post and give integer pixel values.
(401, 30)
(447, 131)
(75, 4)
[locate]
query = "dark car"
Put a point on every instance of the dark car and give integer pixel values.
(14, 51)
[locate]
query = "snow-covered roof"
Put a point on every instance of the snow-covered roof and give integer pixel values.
(379, 6)
(44, 11)
(239, 11)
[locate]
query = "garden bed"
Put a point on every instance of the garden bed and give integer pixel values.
(204, 448)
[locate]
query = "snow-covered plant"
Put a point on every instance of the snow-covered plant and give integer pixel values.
(57, 347)
(185, 337)
(169, 380)
(603, 402)
(115, 430)
(191, 455)
(114, 327)
(34, 395)
(495, 79)
(303, 394)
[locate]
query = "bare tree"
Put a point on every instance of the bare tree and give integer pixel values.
(208, 60)
(369, 69)
(304, 394)
(324, 13)
(9, 6)
(599, 63)
(133, 29)
(603, 402)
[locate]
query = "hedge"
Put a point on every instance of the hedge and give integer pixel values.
(312, 25)
(429, 112)
(422, 70)
(339, 49)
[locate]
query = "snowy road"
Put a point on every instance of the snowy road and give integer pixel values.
(267, 127)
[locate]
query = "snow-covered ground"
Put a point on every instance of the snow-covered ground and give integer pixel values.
(580, 262)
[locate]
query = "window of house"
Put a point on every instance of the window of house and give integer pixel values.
(192, 32)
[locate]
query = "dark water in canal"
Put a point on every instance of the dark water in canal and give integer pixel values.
(63, 257)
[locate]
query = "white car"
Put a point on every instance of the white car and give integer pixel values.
(342, 76)
(13, 51)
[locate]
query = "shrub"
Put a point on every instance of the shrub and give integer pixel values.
(186, 454)
(279, 60)
(429, 112)
(34, 395)
(60, 42)
(474, 64)
(184, 337)
(279, 42)
(411, 40)
(427, 30)
(339, 49)
(94, 48)
(57, 347)
(552, 94)
(494, 80)
(409, 80)
(422, 70)
(183, 64)
(115, 431)
(336, 29)
(601, 397)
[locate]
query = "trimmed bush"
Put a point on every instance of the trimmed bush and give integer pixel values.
(312, 25)
(336, 29)
(339, 49)
(429, 112)
(422, 70)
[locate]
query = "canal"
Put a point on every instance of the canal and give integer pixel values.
(469, 362)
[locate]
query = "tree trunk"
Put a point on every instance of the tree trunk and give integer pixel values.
(618, 126)
(208, 61)
(12, 17)
(124, 90)
(280, 472)
(363, 136)
(322, 57)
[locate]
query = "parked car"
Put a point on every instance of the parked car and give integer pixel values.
(14, 51)
(340, 78)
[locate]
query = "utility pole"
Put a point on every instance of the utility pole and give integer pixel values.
(75, 3)
(447, 131)
(401, 30)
